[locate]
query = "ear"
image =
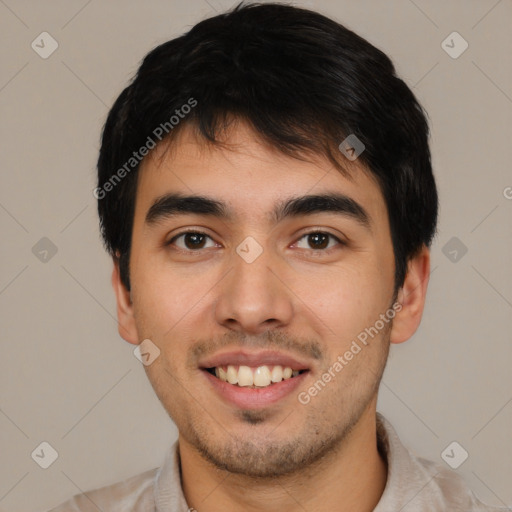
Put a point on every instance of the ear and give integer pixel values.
(125, 319)
(411, 296)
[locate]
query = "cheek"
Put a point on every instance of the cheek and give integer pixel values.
(347, 290)
(162, 298)
(348, 297)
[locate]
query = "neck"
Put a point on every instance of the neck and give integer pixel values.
(353, 478)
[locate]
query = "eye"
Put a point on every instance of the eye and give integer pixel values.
(195, 240)
(192, 240)
(319, 240)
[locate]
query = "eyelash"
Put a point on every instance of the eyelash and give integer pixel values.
(175, 237)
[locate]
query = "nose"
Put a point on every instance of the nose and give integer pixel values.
(254, 296)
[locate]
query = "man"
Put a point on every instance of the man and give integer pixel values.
(266, 192)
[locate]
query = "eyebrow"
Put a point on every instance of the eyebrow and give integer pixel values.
(173, 204)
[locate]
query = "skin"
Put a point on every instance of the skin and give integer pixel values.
(322, 455)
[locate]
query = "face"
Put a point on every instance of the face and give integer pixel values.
(260, 286)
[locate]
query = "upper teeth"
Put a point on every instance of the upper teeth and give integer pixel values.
(260, 376)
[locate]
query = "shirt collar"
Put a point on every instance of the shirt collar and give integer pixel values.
(168, 491)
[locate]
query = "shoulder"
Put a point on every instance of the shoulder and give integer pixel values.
(421, 485)
(135, 494)
(447, 489)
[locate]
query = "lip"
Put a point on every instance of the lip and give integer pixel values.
(254, 398)
(254, 359)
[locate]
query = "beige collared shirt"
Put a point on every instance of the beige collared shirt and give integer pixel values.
(414, 484)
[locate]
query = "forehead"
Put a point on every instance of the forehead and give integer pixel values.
(248, 175)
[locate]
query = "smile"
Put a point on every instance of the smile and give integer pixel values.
(254, 377)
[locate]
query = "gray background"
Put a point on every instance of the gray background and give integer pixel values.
(66, 377)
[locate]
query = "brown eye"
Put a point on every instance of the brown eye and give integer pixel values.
(192, 240)
(319, 240)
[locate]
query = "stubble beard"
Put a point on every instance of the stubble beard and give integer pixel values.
(264, 459)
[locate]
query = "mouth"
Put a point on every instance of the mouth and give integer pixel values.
(254, 380)
(254, 376)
